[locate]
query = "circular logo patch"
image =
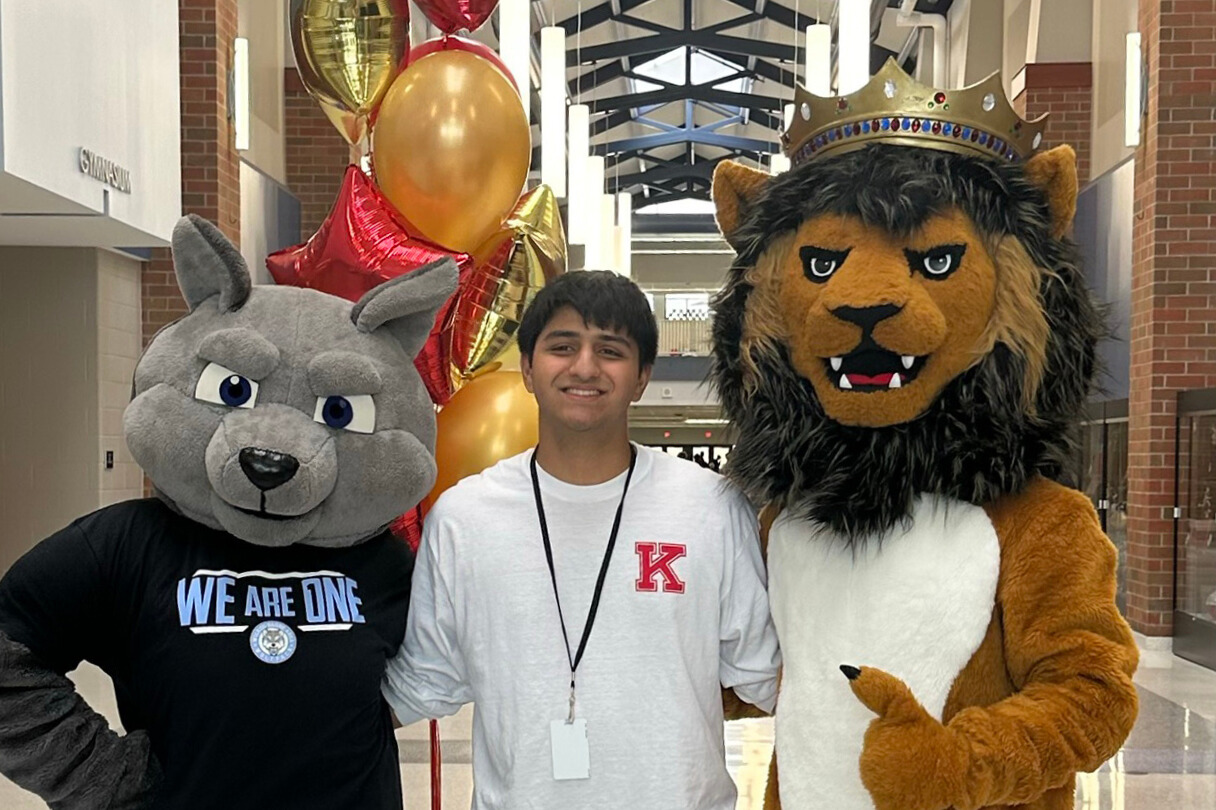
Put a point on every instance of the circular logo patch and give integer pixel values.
(273, 642)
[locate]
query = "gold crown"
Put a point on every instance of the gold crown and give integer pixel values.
(895, 108)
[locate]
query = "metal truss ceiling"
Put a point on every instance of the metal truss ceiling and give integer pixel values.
(662, 137)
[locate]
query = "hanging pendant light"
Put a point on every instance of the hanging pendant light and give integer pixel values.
(609, 241)
(624, 219)
(553, 109)
(854, 51)
(592, 212)
(579, 117)
(818, 75)
(515, 45)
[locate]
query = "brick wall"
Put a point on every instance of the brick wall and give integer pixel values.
(211, 185)
(1173, 320)
(317, 155)
(1064, 89)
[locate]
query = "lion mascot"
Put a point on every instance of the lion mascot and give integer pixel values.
(904, 343)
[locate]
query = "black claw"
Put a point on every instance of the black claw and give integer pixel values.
(852, 673)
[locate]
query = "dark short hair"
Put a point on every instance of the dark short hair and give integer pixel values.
(604, 299)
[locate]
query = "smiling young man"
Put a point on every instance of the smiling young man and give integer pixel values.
(589, 596)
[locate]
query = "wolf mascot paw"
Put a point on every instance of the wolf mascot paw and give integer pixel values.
(246, 614)
(903, 344)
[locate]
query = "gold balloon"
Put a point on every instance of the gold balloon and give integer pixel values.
(509, 359)
(491, 418)
(511, 266)
(348, 53)
(452, 147)
(353, 128)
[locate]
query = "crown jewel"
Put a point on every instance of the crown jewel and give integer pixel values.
(895, 108)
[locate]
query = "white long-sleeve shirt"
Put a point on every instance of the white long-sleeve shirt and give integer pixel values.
(684, 609)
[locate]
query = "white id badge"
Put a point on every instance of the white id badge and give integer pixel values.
(571, 754)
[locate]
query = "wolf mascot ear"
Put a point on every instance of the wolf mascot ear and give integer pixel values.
(406, 306)
(207, 264)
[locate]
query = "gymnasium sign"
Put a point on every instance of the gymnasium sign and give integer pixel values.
(107, 171)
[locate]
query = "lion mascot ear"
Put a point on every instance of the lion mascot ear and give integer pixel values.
(735, 188)
(1054, 172)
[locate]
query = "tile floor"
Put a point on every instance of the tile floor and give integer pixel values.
(1169, 760)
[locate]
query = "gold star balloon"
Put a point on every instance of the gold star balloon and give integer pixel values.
(528, 251)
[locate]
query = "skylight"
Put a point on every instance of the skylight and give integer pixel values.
(669, 68)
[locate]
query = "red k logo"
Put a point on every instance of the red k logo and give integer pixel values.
(655, 560)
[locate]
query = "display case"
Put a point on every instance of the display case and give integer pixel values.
(1102, 475)
(1195, 529)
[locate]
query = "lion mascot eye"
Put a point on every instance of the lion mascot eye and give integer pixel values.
(820, 263)
(936, 263)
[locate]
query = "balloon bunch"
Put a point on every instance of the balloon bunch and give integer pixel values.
(443, 129)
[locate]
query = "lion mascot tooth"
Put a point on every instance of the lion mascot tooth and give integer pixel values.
(903, 343)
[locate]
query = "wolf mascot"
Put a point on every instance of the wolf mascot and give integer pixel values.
(903, 343)
(246, 614)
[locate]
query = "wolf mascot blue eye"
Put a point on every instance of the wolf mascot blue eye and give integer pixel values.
(223, 386)
(236, 391)
(252, 603)
(356, 413)
(337, 412)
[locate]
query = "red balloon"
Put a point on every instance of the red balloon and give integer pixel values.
(408, 527)
(451, 16)
(362, 243)
(455, 43)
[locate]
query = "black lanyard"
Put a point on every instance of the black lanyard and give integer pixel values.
(599, 583)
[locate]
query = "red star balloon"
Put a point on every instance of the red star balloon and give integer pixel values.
(362, 243)
(408, 527)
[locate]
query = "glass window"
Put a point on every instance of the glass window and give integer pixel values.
(687, 307)
(1116, 502)
(1197, 540)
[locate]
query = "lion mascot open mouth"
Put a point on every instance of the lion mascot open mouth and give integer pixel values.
(904, 343)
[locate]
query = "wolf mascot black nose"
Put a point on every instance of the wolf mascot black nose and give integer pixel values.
(266, 468)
